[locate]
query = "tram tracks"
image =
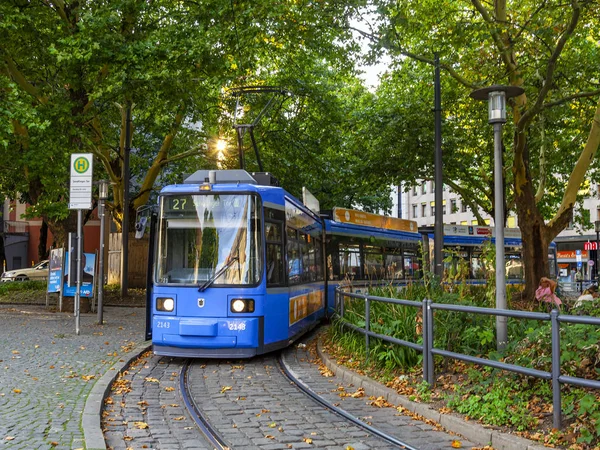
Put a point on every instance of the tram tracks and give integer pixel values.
(291, 382)
(289, 373)
(210, 432)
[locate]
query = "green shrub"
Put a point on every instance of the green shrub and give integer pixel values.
(22, 286)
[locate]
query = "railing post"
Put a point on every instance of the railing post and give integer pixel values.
(425, 336)
(367, 326)
(341, 300)
(430, 374)
(556, 400)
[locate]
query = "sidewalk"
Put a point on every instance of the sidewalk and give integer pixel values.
(52, 380)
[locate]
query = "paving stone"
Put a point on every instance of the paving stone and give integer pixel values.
(55, 369)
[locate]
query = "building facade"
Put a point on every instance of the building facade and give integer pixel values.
(22, 236)
(576, 247)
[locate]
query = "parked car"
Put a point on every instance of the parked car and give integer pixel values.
(37, 272)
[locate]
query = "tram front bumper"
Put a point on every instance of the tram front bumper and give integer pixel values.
(210, 333)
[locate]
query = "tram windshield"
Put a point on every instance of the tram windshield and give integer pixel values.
(206, 236)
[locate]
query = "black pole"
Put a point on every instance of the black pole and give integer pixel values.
(240, 136)
(439, 218)
(149, 275)
(260, 167)
(125, 224)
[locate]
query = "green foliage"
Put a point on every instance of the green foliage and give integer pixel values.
(22, 286)
(68, 71)
(487, 400)
(495, 397)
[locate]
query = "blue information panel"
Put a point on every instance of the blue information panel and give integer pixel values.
(87, 283)
(56, 269)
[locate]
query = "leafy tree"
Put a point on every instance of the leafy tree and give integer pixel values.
(71, 72)
(550, 49)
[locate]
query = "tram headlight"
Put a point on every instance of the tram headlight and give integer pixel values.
(242, 305)
(165, 304)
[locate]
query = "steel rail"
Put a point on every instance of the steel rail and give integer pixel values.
(205, 427)
(289, 374)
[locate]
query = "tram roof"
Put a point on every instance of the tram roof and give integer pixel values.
(480, 240)
(349, 229)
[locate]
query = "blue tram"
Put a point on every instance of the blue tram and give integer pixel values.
(368, 248)
(238, 267)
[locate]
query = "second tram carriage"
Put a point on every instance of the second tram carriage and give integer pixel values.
(366, 248)
(238, 267)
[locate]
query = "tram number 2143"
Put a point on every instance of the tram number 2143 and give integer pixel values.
(162, 324)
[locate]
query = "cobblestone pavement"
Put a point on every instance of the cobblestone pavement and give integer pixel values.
(253, 406)
(47, 371)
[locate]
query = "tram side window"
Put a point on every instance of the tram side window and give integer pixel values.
(393, 264)
(275, 263)
(373, 262)
(349, 261)
(412, 265)
(320, 273)
(294, 257)
(306, 256)
(514, 265)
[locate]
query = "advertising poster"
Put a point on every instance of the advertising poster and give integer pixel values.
(56, 269)
(87, 282)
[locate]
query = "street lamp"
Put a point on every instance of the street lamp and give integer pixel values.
(496, 96)
(102, 196)
(597, 227)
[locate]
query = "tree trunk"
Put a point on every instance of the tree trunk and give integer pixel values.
(42, 245)
(534, 233)
(535, 254)
(61, 228)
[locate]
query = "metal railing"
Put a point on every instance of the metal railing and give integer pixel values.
(428, 350)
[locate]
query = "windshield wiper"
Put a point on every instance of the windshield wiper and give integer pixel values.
(210, 281)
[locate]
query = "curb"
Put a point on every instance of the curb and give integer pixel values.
(92, 410)
(471, 431)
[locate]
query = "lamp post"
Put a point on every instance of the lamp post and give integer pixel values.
(102, 196)
(496, 96)
(597, 227)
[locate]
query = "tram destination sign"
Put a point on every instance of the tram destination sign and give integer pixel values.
(80, 193)
(373, 220)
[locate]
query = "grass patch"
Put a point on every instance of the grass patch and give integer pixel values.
(34, 293)
(23, 292)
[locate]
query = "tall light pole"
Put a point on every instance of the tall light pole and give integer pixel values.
(496, 96)
(102, 196)
(125, 224)
(438, 257)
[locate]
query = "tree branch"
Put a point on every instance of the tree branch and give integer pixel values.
(560, 45)
(578, 173)
(451, 71)
(463, 195)
(502, 48)
(571, 97)
(181, 155)
(20, 79)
